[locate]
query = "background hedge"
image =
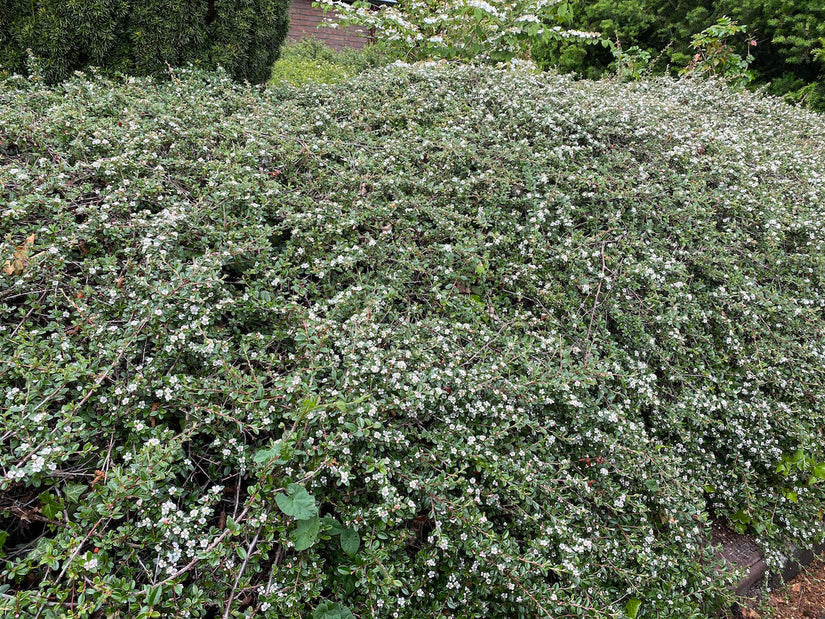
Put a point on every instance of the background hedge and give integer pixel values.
(790, 36)
(143, 37)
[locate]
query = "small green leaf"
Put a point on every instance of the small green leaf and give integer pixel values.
(265, 455)
(792, 496)
(153, 594)
(739, 527)
(297, 502)
(350, 541)
(632, 607)
(819, 470)
(306, 533)
(309, 404)
(232, 525)
(759, 527)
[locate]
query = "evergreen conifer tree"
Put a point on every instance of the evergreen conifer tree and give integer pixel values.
(143, 37)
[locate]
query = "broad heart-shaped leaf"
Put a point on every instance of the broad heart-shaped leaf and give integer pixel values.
(819, 470)
(350, 541)
(306, 533)
(332, 526)
(73, 492)
(330, 610)
(52, 505)
(297, 502)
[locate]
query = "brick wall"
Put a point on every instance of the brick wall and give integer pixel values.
(304, 21)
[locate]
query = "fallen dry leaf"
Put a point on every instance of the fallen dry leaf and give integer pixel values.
(20, 261)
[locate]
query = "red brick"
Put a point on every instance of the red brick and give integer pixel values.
(304, 20)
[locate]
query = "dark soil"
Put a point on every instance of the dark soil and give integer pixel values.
(801, 598)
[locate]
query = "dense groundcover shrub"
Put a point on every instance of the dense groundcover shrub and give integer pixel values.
(142, 37)
(439, 342)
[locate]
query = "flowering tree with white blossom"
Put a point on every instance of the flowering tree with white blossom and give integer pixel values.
(470, 30)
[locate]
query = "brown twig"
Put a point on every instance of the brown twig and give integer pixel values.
(595, 305)
(240, 572)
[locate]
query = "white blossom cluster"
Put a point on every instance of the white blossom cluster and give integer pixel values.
(474, 30)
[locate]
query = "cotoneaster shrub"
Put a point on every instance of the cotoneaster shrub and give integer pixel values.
(437, 342)
(142, 38)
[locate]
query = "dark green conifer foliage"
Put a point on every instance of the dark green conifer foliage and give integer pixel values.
(143, 36)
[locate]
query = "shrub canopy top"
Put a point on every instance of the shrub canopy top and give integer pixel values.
(243, 36)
